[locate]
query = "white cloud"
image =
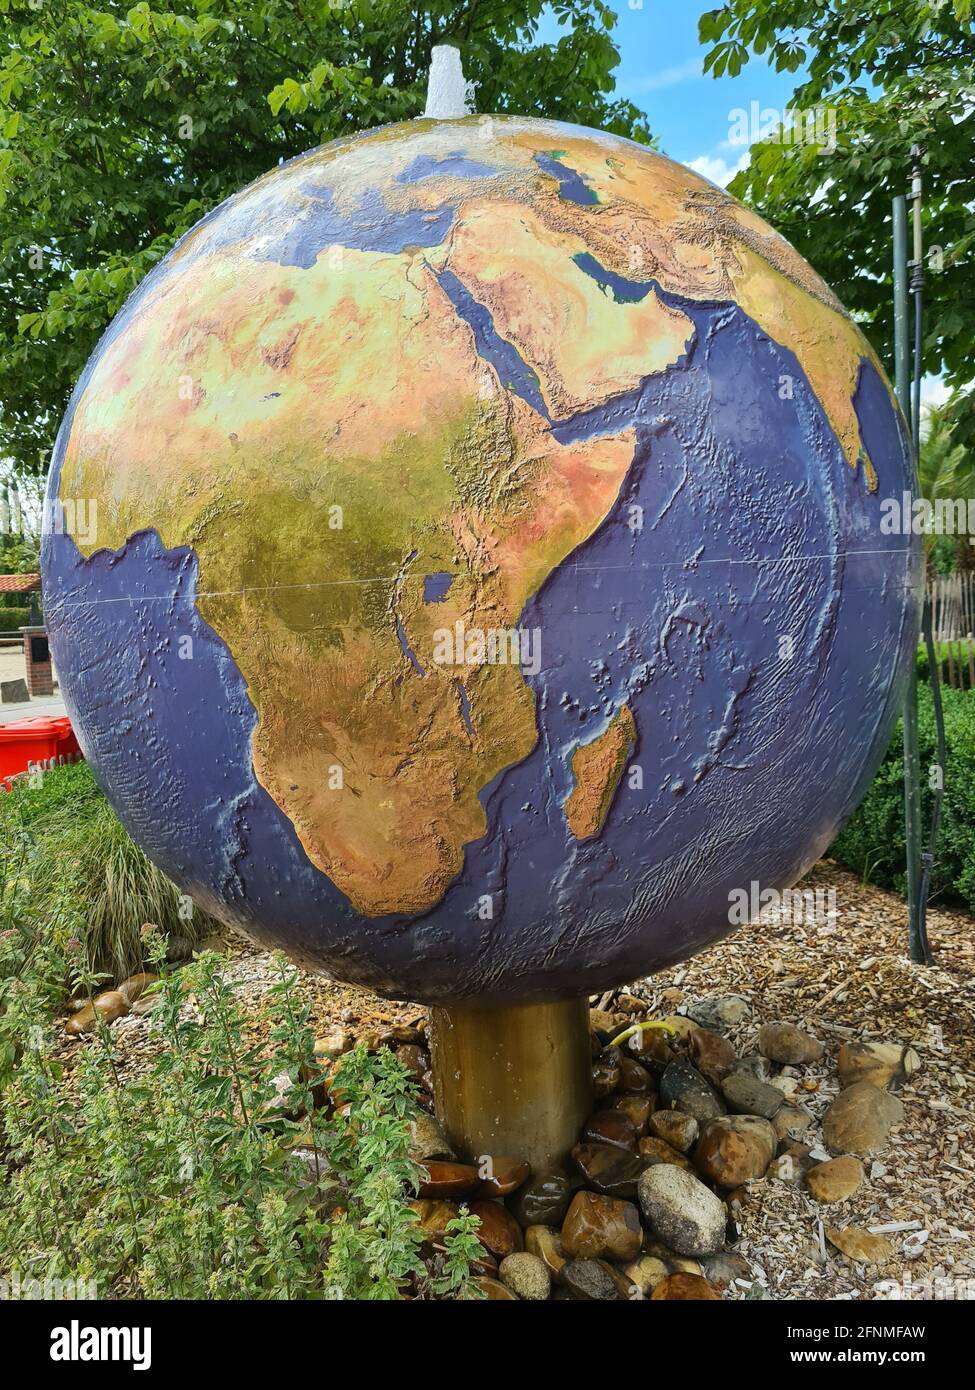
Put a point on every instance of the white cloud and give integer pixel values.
(933, 391)
(666, 77)
(716, 169)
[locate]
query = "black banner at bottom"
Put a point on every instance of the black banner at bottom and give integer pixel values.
(278, 1338)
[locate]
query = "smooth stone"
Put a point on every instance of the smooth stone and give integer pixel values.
(746, 1095)
(880, 1064)
(414, 1058)
(446, 1179)
(790, 1120)
(682, 1087)
(639, 1108)
(427, 1139)
(784, 1043)
(494, 1291)
(433, 1214)
(836, 1179)
(602, 1021)
(147, 1004)
(405, 1033)
(214, 942)
(798, 1150)
(861, 1246)
(499, 1232)
(676, 1264)
(653, 1050)
(601, 1227)
(633, 1077)
(724, 1268)
(282, 1087)
(681, 1027)
(544, 1199)
(675, 1128)
(499, 1177)
(136, 985)
(721, 1012)
(610, 1171)
(735, 1149)
(712, 1054)
(653, 1150)
(606, 1072)
(106, 1007)
(682, 1213)
(791, 1163)
(786, 1168)
(546, 1243)
(178, 950)
(610, 1127)
(860, 1119)
(526, 1276)
(595, 1280)
(630, 1004)
(754, 1065)
(646, 1273)
(684, 1287)
(333, 1043)
(484, 1264)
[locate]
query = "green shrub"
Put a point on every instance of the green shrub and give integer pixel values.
(13, 616)
(941, 650)
(212, 1171)
(68, 870)
(201, 1176)
(871, 843)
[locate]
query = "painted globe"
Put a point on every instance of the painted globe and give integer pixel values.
(464, 566)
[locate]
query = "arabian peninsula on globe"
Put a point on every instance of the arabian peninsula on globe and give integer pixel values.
(487, 578)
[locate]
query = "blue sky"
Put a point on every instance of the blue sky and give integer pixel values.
(660, 71)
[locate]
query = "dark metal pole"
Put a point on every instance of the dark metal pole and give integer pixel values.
(919, 948)
(912, 766)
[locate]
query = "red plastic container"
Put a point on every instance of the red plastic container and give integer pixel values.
(38, 742)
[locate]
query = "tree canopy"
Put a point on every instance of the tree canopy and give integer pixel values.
(121, 126)
(896, 73)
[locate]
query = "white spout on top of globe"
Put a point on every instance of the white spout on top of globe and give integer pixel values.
(449, 94)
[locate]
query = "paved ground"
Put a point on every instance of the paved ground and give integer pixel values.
(50, 705)
(12, 668)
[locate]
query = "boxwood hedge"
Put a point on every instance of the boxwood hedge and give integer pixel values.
(871, 842)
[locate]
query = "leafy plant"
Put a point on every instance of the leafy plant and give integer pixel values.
(946, 472)
(68, 869)
(463, 1248)
(211, 1173)
(871, 843)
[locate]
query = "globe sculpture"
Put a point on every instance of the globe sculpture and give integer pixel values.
(469, 572)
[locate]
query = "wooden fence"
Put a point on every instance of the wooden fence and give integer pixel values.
(953, 605)
(953, 623)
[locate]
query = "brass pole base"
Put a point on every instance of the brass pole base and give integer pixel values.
(512, 1082)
